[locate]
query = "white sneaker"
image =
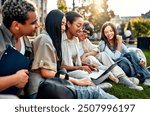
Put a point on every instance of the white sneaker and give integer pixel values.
(137, 87)
(105, 85)
(147, 82)
(134, 80)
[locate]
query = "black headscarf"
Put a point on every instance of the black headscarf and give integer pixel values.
(53, 27)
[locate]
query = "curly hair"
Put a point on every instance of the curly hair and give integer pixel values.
(16, 10)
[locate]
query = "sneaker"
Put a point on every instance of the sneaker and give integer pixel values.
(139, 88)
(147, 82)
(134, 80)
(105, 85)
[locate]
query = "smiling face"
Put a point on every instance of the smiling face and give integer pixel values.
(83, 35)
(63, 24)
(30, 26)
(76, 27)
(109, 32)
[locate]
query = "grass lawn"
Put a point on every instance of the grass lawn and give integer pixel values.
(123, 92)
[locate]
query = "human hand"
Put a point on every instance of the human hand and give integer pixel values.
(119, 39)
(142, 63)
(86, 51)
(94, 67)
(83, 56)
(22, 78)
(85, 68)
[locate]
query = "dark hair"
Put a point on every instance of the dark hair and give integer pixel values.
(89, 27)
(16, 10)
(53, 27)
(71, 16)
(104, 38)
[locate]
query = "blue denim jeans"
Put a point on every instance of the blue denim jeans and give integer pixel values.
(143, 72)
(78, 74)
(92, 92)
(126, 66)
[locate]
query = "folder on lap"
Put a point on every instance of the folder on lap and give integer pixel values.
(12, 61)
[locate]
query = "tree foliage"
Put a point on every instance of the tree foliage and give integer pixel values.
(61, 4)
(96, 13)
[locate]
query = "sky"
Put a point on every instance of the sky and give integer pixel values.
(120, 7)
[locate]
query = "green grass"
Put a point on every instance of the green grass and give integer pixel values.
(123, 92)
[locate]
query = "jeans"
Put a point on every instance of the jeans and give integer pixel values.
(92, 92)
(141, 71)
(126, 66)
(32, 86)
(78, 74)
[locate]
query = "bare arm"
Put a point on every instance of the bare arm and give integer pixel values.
(19, 80)
(50, 74)
(119, 40)
(93, 53)
(72, 68)
(7, 81)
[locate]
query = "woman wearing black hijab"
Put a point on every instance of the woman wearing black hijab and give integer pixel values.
(47, 51)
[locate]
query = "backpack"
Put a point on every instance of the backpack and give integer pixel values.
(57, 88)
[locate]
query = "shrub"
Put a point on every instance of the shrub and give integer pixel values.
(140, 27)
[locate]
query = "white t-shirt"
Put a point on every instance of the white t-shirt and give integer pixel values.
(22, 49)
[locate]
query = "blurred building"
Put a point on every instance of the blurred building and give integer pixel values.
(42, 12)
(146, 15)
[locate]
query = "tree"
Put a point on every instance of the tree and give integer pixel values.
(61, 4)
(97, 14)
(103, 15)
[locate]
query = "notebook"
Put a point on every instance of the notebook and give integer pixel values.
(12, 61)
(104, 75)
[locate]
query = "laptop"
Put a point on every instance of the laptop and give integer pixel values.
(104, 75)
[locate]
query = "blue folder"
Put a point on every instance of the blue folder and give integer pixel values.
(12, 61)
